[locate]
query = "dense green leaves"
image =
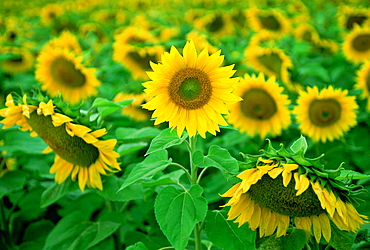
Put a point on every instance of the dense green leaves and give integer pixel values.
(55, 191)
(11, 181)
(167, 138)
(226, 234)
(178, 211)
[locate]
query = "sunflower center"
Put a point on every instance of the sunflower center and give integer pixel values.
(216, 24)
(362, 42)
(142, 61)
(72, 149)
(272, 62)
(355, 19)
(64, 72)
(325, 112)
(190, 88)
(271, 193)
(307, 36)
(270, 22)
(258, 104)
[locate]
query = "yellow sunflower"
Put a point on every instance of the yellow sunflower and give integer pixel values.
(326, 114)
(363, 82)
(131, 50)
(271, 20)
(200, 41)
(21, 60)
(190, 91)
(349, 16)
(273, 194)
(263, 109)
(356, 46)
(61, 70)
(50, 12)
(216, 23)
(271, 61)
(65, 41)
(79, 152)
(134, 110)
(306, 32)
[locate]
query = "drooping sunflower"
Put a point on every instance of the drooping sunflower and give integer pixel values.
(59, 69)
(271, 20)
(271, 61)
(282, 188)
(79, 152)
(263, 109)
(190, 91)
(356, 46)
(20, 60)
(348, 16)
(134, 110)
(326, 114)
(363, 82)
(135, 48)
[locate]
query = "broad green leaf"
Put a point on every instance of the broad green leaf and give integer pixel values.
(217, 157)
(341, 240)
(131, 134)
(19, 141)
(36, 234)
(137, 246)
(300, 145)
(165, 139)
(127, 148)
(56, 191)
(352, 175)
(11, 181)
(226, 234)
(152, 165)
(170, 178)
(178, 211)
(111, 190)
(294, 240)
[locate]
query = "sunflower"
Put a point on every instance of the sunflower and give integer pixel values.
(200, 41)
(190, 91)
(306, 32)
(277, 191)
(356, 46)
(271, 20)
(59, 69)
(50, 12)
(216, 23)
(271, 61)
(363, 82)
(326, 114)
(263, 109)
(134, 110)
(65, 41)
(20, 60)
(134, 49)
(79, 152)
(349, 16)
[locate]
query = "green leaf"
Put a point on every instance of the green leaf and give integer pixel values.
(112, 192)
(130, 134)
(295, 240)
(152, 165)
(170, 178)
(73, 232)
(226, 234)
(36, 234)
(20, 141)
(299, 146)
(127, 148)
(217, 157)
(178, 211)
(352, 175)
(165, 139)
(56, 191)
(137, 246)
(11, 181)
(341, 240)
(102, 102)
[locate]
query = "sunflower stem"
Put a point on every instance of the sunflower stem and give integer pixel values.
(194, 180)
(183, 168)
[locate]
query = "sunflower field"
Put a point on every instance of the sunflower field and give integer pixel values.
(174, 124)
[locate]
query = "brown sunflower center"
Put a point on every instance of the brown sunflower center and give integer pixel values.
(355, 19)
(361, 42)
(190, 88)
(216, 24)
(325, 112)
(64, 72)
(269, 22)
(271, 193)
(271, 62)
(72, 149)
(307, 36)
(142, 61)
(258, 104)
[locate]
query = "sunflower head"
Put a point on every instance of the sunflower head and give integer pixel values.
(271, 20)
(356, 45)
(282, 186)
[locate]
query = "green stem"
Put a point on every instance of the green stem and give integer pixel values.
(183, 168)
(194, 180)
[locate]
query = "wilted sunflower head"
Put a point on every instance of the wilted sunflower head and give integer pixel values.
(282, 186)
